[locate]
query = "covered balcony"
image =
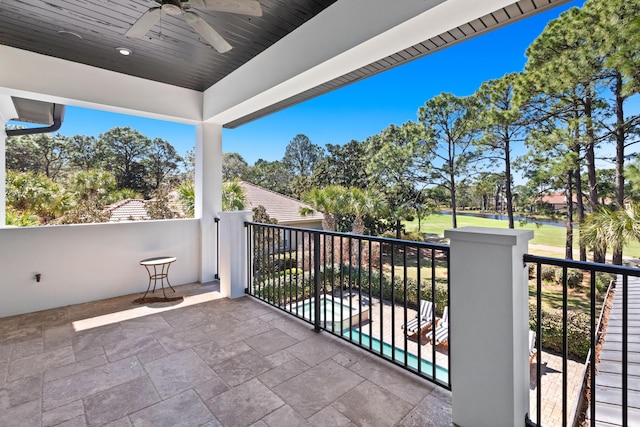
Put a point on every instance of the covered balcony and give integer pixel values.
(73, 351)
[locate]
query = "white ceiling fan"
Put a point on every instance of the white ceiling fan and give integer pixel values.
(177, 7)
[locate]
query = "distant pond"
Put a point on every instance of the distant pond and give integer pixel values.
(505, 217)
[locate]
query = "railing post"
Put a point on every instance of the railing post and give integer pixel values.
(217, 273)
(489, 323)
(316, 281)
(233, 253)
(3, 171)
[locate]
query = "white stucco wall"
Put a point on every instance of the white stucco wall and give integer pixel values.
(81, 263)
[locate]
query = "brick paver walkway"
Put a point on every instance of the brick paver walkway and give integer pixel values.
(551, 370)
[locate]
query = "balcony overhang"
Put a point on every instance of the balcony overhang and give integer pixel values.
(348, 41)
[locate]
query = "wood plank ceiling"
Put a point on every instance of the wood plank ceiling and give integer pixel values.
(170, 53)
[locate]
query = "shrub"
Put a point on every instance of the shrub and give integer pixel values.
(532, 270)
(284, 263)
(574, 277)
(414, 236)
(578, 331)
(549, 273)
(603, 280)
(290, 285)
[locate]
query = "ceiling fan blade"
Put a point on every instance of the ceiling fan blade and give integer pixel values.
(207, 32)
(144, 23)
(242, 7)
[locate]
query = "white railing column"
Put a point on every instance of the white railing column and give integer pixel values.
(489, 323)
(233, 253)
(208, 193)
(3, 171)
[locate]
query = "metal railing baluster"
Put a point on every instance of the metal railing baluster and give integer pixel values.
(284, 290)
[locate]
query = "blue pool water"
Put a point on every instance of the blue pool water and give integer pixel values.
(441, 373)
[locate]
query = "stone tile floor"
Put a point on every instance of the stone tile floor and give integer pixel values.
(205, 361)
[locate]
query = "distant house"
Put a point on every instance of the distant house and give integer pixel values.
(128, 210)
(136, 209)
(558, 201)
(283, 208)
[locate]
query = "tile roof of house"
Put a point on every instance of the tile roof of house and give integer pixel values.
(128, 210)
(555, 198)
(283, 208)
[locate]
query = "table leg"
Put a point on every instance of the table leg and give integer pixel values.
(167, 276)
(149, 285)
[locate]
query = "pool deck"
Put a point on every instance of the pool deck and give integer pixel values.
(551, 363)
(381, 314)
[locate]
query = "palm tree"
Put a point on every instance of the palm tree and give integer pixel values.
(612, 228)
(234, 197)
(93, 184)
(329, 200)
(360, 203)
(187, 196)
(35, 193)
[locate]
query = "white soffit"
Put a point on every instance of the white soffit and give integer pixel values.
(71, 83)
(300, 62)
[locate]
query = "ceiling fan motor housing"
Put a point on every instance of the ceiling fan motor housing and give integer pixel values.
(172, 7)
(153, 15)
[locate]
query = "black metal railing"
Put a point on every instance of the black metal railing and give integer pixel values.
(360, 288)
(577, 335)
(217, 274)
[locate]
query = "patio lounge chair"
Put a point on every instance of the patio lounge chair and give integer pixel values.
(441, 333)
(422, 320)
(532, 346)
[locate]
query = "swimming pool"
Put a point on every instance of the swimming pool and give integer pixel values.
(332, 308)
(412, 361)
(338, 313)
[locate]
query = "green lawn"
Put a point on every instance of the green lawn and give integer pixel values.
(552, 299)
(542, 235)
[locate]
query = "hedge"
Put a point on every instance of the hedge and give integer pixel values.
(578, 331)
(283, 289)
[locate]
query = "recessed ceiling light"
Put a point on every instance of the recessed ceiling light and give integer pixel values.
(69, 34)
(124, 51)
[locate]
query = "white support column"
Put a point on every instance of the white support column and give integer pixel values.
(233, 253)
(208, 197)
(489, 323)
(3, 173)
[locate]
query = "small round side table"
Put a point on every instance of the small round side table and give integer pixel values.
(158, 269)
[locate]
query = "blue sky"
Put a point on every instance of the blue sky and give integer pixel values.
(356, 111)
